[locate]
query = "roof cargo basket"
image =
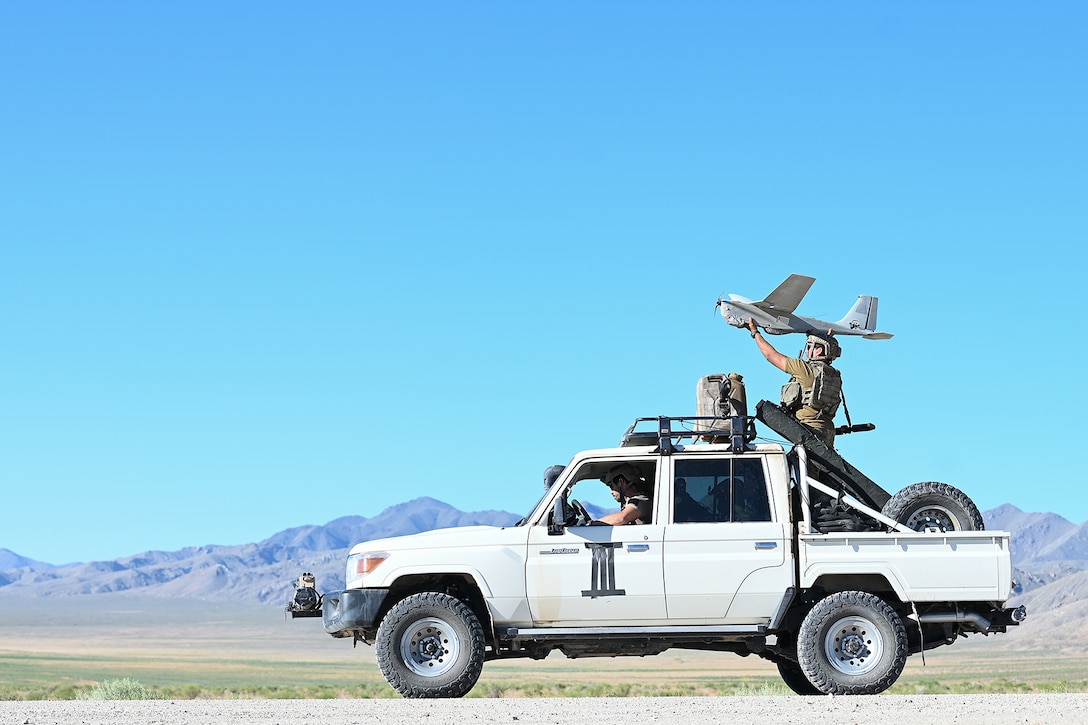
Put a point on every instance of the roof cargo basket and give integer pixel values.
(738, 431)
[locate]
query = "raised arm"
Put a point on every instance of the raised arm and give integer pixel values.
(774, 357)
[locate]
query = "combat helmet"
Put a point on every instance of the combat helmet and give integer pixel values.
(830, 345)
(622, 469)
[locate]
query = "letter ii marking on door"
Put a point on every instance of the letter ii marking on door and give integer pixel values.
(603, 574)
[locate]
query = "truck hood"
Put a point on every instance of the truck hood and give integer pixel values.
(433, 539)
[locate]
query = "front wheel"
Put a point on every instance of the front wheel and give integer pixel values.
(430, 645)
(934, 506)
(795, 679)
(852, 643)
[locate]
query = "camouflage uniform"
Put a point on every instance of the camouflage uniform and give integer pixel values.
(822, 422)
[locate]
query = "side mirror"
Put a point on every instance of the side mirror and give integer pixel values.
(556, 526)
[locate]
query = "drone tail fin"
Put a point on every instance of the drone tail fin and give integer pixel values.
(862, 315)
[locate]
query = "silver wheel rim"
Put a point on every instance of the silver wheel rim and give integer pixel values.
(429, 647)
(933, 518)
(853, 645)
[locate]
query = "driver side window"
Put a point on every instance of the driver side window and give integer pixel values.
(588, 488)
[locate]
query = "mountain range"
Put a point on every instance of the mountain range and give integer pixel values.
(1049, 554)
(260, 572)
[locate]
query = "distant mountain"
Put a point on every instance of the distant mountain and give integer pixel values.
(1050, 565)
(1039, 539)
(247, 572)
(422, 514)
(10, 560)
(1046, 549)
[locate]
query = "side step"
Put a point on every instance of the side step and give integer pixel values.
(674, 633)
(831, 468)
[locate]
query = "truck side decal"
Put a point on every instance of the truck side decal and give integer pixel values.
(602, 580)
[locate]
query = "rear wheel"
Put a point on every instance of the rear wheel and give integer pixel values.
(933, 506)
(795, 679)
(852, 643)
(430, 645)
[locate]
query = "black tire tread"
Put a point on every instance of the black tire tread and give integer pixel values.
(795, 678)
(905, 502)
(422, 604)
(810, 654)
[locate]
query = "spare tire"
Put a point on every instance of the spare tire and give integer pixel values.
(934, 506)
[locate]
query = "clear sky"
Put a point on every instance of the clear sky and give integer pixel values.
(266, 264)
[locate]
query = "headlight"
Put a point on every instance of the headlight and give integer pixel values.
(359, 565)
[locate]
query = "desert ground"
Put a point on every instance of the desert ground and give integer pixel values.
(877, 710)
(233, 650)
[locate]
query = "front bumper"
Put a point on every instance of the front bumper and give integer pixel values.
(352, 610)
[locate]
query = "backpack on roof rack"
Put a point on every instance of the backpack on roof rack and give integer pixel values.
(720, 396)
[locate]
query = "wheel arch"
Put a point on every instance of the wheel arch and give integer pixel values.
(461, 585)
(824, 586)
(881, 584)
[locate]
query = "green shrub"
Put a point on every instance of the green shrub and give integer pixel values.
(123, 689)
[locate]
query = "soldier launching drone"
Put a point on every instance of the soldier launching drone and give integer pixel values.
(814, 391)
(815, 388)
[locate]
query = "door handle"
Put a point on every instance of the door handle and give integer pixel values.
(766, 545)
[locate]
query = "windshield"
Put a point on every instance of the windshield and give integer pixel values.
(525, 518)
(551, 473)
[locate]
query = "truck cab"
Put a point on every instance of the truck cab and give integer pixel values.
(709, 505)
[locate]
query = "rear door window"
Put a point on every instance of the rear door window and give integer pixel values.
(720, 490)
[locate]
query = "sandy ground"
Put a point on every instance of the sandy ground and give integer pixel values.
(875, 710)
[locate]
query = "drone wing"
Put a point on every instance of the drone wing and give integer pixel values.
(787, 295)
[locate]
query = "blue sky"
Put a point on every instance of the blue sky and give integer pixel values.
(268, 264)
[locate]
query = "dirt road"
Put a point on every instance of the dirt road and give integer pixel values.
(875, 710)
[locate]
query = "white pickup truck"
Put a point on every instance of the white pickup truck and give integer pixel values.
(753, 548)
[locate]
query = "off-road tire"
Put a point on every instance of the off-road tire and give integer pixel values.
(852, 643)
(430, 645)
(933, 505)
(795, 679)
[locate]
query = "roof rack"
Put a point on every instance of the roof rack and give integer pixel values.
(738, 431)
(825, 463)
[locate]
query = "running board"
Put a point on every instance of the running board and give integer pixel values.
(693, 632)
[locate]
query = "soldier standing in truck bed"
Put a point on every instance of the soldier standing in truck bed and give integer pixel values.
(815, 388)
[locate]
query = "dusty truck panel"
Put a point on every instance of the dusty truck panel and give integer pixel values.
(748, 549)
(921, 567)
(489, 559)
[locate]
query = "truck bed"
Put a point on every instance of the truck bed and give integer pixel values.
(921, 566)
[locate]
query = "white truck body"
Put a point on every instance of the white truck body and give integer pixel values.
(732, 560)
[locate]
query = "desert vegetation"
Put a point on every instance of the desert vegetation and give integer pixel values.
(743, 686)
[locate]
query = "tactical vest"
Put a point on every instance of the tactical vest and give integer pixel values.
(824, 395)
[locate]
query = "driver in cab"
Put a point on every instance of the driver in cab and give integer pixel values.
(627, 488)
